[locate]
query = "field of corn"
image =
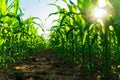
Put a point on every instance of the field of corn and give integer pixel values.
(78, 36)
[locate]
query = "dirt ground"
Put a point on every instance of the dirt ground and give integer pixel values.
(46, 65)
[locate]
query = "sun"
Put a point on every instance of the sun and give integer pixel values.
(101, 3)
(100, 11)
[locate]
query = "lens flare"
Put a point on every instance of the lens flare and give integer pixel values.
(40, 31)
(100, 12)
(102, 3)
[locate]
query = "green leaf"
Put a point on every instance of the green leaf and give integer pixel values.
(71, 2)
(3, 6)
(16, 6)
(64, 1)
(85, 31)
(58, 7)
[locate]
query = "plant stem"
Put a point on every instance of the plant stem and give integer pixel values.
(106, 55)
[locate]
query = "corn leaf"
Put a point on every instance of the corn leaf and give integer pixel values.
(3, 6)
(16, 6)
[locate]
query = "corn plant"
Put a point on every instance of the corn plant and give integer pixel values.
(74, 22)
(86, 40)
(18, 37)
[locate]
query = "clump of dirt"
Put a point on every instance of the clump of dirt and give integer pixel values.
(46, 65)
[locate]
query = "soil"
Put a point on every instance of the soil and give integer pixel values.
(46, 65)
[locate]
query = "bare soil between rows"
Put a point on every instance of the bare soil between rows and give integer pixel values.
(46, 65)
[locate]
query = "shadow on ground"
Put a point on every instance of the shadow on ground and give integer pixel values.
(46, 65)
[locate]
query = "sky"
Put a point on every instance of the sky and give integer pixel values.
(41, 9)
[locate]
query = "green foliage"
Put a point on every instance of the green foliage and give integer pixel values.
(77, 36)
(80, 38)
(18, 38)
